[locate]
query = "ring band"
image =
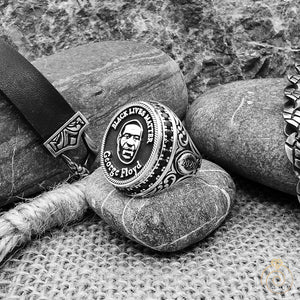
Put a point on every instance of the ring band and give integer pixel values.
(146, 149)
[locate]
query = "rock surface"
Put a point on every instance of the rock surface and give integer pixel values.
(95, 79)
(213, 41)
(240, 126)
(179, 216)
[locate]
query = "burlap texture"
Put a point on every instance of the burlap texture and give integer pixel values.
(90, 261)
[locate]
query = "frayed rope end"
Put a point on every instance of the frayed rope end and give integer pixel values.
(58, 207)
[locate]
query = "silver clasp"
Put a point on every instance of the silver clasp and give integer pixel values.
(67, 137)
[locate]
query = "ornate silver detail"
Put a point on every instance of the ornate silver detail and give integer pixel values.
(67, 137)
(185, 162)
(291, 115)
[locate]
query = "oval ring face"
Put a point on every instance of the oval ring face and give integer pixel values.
(129, 144)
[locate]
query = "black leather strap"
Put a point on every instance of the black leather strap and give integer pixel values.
(41, 104)
(34, 96)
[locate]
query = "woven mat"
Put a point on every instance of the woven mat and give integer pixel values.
(90, 261)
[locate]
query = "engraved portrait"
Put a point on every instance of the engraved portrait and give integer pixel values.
(129, 141)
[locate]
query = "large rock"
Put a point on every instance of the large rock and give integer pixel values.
(95, 79)
(171, 220)
(240, 126)
(214, 42)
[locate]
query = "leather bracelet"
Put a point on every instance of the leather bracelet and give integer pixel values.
(51, 116)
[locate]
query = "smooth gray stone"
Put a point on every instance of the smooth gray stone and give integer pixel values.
(171, 220)
(240, 126)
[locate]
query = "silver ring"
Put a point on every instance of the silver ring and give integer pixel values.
(146, 149)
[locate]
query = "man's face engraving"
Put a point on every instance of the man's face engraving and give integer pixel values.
(129, 140)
